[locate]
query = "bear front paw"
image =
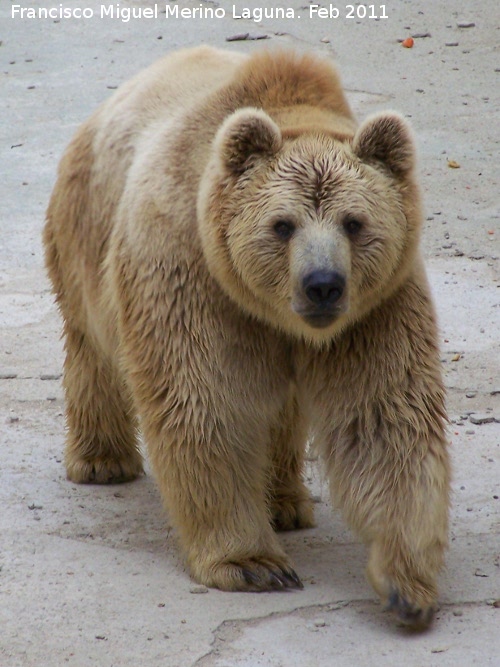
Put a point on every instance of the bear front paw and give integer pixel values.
(411, 615)
(410, 594)
(263, 578)
(251, 575)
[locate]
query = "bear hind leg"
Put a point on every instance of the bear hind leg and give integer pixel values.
(101, 445)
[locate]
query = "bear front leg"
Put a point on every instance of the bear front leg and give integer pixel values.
(407, 550)
(206, 401)
(214, 489)
(394, 491)
(290, 499)
(383, 411)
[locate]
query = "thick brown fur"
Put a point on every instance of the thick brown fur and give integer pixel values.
(237, 265)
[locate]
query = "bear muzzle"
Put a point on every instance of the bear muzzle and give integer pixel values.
(322, 299)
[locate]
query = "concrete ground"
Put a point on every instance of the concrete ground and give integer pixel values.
(92, 575)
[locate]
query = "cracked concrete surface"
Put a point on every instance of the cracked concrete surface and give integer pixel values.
(92, 575)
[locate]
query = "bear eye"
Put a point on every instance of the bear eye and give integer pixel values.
(353, 226)
(284, 229)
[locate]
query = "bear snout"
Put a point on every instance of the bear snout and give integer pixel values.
(321, 300)
(323, 288)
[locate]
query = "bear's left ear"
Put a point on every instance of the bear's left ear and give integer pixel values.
(246, 133)
(387, 138)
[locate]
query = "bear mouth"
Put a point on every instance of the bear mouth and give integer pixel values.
(320, 318)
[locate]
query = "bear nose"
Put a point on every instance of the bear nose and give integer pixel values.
(324, 288)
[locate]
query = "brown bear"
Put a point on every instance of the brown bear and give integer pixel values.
(237, 264)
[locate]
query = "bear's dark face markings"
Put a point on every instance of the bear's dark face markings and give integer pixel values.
(324, 179)
(284, 229)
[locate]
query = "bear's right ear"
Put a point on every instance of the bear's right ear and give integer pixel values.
(246, 133)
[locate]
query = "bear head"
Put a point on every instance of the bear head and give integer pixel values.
(309, 232)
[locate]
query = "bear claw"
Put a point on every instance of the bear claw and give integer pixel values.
(410, 615)
(288, 579)
(293, 577)
(276, 580)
